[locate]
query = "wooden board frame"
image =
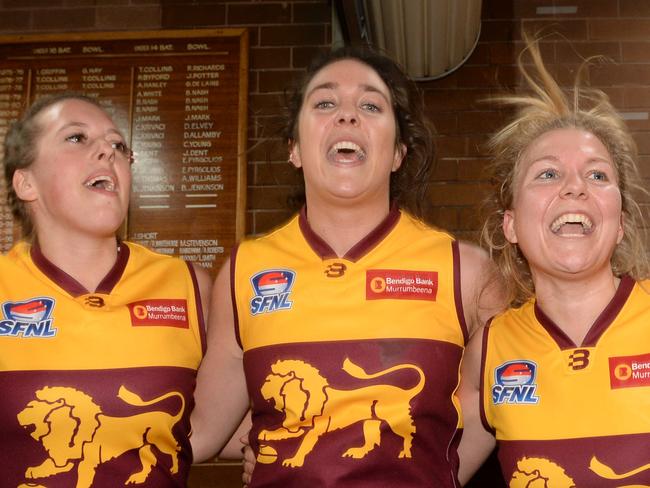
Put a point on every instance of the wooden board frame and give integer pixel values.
(119, 61)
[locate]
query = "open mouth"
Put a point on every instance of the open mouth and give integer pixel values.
(346, 151)
(103, 182)
(572, 225)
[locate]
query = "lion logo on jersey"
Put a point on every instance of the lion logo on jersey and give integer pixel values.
(535, 472)
(73, 430)
(312, 407)
(607, 472)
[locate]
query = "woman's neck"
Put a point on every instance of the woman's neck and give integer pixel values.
(87, 260)
(575, 304)
(343, 227)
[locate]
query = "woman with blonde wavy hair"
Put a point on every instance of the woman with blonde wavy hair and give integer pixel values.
(559, 381)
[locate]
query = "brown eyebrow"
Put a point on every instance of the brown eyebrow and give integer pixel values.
(330, 85)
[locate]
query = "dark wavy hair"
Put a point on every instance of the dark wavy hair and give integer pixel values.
(409, 185)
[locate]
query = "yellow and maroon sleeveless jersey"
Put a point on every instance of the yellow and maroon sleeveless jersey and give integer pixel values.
(352, 362)
(567, 415)
(97, 387)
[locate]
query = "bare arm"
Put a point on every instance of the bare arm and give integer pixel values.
(205, 288)
(221, 396)
(476, 443)
(234, 449)
(482, 295)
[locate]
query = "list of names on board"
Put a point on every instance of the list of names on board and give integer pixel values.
(178, 96)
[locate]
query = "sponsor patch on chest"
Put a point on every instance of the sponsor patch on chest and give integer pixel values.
(28, 318)
(166, 312)
(629, 371)
(401, 284)
(515, 382)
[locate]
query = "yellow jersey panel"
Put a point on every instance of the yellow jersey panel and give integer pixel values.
(101, 383)
(352, 362)
(579, 413)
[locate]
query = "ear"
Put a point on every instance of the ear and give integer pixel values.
(621, 229)
(24, 185)
(294, 154)
(398, 157)
(508, 226)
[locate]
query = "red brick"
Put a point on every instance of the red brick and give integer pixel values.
(572, 29)
(635, 52)
(17, 21)
(621, 74)
(480, 121)
(444, 122)
(500, 30)
(476, 145)
(269, 197)
(259, 13)
(449, 146)
(266, 220)
(619, 29)
(464, 193)
(145, 17)
(444, 100)
(277, 80)
(277, 174)
(470, 218)
(265, 104)
(445, 218)
(472, 169)
(292, 35)
(303, 56)
(635, 96)
(191, 15)
(480, 55)
(312, 12)
(576, 51)
(634, 8)
(30, 4)
(642, 140)
(270, 57)
(489, 76)
(445, 169)
(267, 149)
(64, 19)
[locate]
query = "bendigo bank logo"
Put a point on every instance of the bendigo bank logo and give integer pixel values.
(514, 382)
(272, 289)
(629, 371)
(29, 318)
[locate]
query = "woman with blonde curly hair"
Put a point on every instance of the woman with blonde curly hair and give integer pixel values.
(559, 381)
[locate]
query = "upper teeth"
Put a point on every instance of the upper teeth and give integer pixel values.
(109, 184)
(573, 219)
(348, 146)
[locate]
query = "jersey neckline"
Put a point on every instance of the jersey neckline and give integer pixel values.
(361, 248)
(600, 325)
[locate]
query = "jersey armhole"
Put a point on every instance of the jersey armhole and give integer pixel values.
(199, 308)
(482, 397)
(458, 296)
(233, 296)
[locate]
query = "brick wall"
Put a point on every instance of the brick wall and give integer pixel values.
(285, 34)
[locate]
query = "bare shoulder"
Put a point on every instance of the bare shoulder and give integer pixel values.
(204, 281)
(481, 291)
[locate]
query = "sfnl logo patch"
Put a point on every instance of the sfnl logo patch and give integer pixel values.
(514, 382)
(29, 318)
(272, 288)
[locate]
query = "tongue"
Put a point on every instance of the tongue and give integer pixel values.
(571, 229)
(344, 156)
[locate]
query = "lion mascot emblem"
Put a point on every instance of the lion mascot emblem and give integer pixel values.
(539, 473)
(74, 431)
(311, 407)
